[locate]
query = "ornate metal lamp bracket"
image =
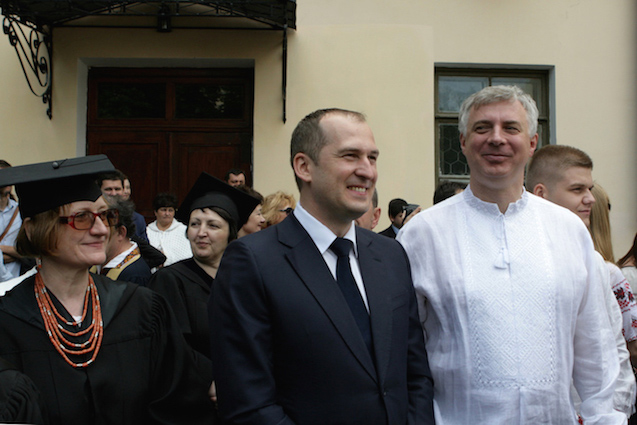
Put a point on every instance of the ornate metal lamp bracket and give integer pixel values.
(33, 47)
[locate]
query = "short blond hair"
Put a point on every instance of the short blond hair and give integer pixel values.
(273, 203)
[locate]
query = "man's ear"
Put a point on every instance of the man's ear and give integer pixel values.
(302, 165)
(533, 144)
(120, 231)
(540, 190)
(375, 217)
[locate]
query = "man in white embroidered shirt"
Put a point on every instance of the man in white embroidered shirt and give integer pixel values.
(506, 285)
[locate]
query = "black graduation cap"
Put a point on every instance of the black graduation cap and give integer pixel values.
(209, 191)
(47, 185)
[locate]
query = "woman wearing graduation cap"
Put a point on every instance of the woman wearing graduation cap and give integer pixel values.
(213, 212)
(99, 351)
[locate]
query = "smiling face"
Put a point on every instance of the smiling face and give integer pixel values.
(497, 145)
(572, 191)
(112, 187)
(82, 249)
(338, 188)
(208, 235)
(254, 224)
(127, 191)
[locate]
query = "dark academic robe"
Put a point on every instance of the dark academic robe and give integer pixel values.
(186, 287)
(143, 373)
(19, 398)
(137, 272)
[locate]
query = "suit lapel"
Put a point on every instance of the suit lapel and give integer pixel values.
(308, 263)
(376, 277)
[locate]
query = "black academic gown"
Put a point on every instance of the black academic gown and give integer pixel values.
(186, 287)
(19, 398)
(143, 373)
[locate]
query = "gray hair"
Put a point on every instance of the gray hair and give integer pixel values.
(494, 94)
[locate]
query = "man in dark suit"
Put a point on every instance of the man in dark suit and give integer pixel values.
(290, 344)
(396, 213)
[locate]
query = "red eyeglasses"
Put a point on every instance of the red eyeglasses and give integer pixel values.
(84, 220)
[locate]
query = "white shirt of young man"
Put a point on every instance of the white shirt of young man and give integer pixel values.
(512, 313)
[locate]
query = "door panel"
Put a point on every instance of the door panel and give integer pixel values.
(167, 153)
(140, 156)
(213, 153)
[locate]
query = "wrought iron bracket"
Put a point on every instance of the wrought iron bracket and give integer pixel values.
(33, 47)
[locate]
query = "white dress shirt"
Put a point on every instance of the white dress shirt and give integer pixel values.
(323, 238)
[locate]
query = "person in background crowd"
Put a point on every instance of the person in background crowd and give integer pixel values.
(600, 223)
(97, 349)
(508, 287)
(563, 175)
(167, 234)
(127, 190)
(276, 207)
(628, 264)
(123, 260)
(396, 214)
(256, 221)
(10, 222)
(235, 177)
(369, 220)
(447, 189)
(601, 234)
(138, 219)
(112, 186)
(213, 211)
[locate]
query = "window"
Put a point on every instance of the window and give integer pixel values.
(453, 86)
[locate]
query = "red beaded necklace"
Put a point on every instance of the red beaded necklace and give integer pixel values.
(53, 323)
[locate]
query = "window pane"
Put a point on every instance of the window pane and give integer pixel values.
(542, 132)
(209, 101)
(131, 100)
(531, 86)
(452, 160)
(452, 91)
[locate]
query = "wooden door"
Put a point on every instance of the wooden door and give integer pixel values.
(163, 127)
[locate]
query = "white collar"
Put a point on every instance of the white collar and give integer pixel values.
(321, 234)
(121, 256)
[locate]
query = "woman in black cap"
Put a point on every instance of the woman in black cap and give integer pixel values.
(99, 351)
(213, 212)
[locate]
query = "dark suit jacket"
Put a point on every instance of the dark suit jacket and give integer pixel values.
(389, 232)
(285, 346)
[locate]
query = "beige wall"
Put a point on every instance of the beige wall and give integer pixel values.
(377, 57)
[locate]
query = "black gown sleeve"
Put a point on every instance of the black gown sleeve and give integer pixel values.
(19, 398)
(179, 392)
(169, 283)
(151, 255)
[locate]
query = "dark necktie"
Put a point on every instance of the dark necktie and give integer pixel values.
(341, 247)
